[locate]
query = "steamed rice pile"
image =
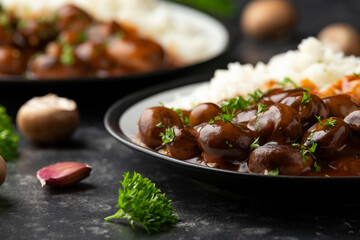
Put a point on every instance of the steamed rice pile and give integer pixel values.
(312, 60)
(152, 18)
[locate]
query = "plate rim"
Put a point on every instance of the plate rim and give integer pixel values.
(231, 39)
(118, 108)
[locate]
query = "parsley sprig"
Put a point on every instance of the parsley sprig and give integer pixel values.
(328, 124)
(8, 139)
(141, 202)
(287, 81)
(306, 98)
(168, 136)
(304, 151)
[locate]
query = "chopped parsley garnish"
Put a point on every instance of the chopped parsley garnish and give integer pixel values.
(181, 115)
(160, 125)
(356, 75)
(255, 97)
(328, 124)
(255, 144)
(141, 202)
(67, 55)
(229, 144)
(168, 136)
(306, 151)
(233, 104)
(273, 172)
(223, 117)
(261, 108)
(317, 167)
(8, 139)
(306, 98)
(287, 81)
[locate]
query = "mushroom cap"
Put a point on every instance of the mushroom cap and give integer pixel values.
(341, 37)
(268, 18)
(48, 119)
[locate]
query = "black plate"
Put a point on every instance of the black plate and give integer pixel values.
(120, 121)
(209, 25)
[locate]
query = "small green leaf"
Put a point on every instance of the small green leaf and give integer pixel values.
(306, 98)
(287, 81)
(168, 137)
(255, 144)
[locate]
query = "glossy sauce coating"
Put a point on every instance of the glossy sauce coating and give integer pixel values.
(287, 132)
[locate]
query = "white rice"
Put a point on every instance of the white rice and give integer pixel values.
(155, 18)
(311, 60)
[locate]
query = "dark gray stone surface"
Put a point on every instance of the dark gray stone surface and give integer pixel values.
(28, 211)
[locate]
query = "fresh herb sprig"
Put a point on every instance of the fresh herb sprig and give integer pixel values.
(287, 81)
(306, 98)
(304, 151)
(141, 202)
(168, 136)
(8, 139)
(330, 123)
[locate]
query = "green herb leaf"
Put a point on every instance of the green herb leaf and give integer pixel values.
(287, 81)
(356, 75)
(261, 108)
(306, 151)
(306, 98)
(67, 55)
(328, 124)
(160, 125)
(233, 104)
(273, 172)
(255, 97)
(229, 144)
(168, 137)
(255, 144)
(317, 167)
(8, 139)
(141, 202)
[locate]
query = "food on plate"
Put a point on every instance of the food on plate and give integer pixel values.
(70, 42)
(264, 19)
(306, 124)
(48, 119)
(341, 37)
(63, 174)
(3, 170)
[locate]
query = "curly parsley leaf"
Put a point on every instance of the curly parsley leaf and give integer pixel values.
(141, 202)
(8, 139)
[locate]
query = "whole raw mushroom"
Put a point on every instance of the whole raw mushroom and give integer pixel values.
(268, 19)
(341, 37)
(3, 170)
(48, 119)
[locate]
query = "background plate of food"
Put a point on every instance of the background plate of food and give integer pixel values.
(77, 40)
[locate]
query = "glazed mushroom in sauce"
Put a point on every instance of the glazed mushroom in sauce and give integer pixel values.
(279, 132)
(71, 43)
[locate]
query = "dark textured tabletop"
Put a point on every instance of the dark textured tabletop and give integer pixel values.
(28, 211)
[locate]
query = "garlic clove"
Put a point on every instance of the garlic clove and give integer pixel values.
(63, 174)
